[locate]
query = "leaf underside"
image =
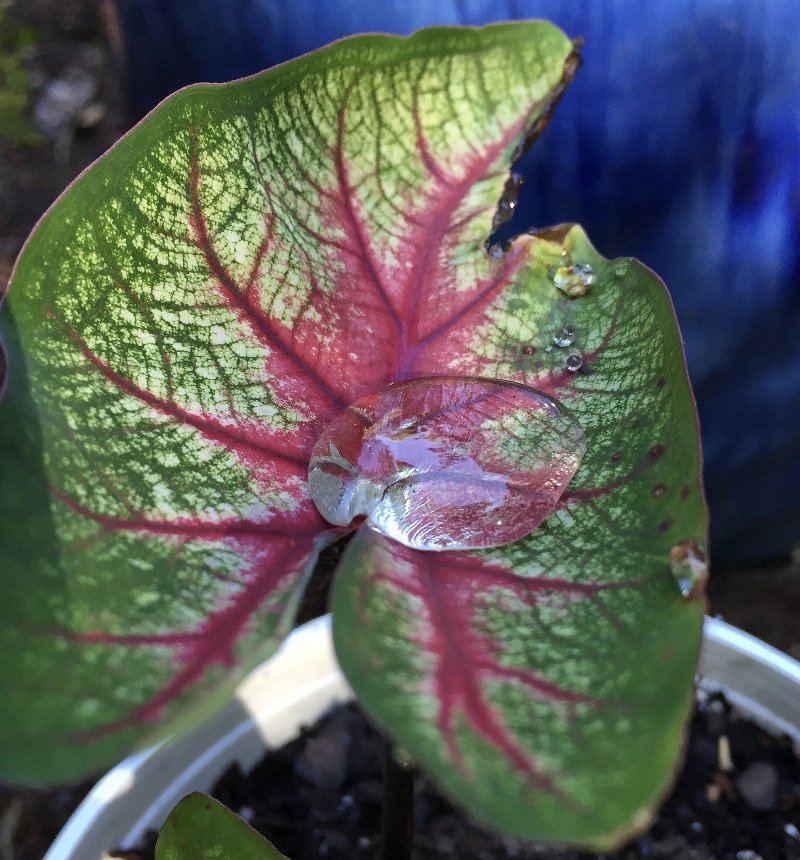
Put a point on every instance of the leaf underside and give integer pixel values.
(250, 260)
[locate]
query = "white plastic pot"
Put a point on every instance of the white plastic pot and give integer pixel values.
(302, 681)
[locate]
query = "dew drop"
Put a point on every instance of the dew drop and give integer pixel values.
(574, 279)
(656, 451)
(616, 456)
(622, 268)
(548, 348)
(492, 464)
(574, 363)
(565, 337)
(495, 251)
(528, 349)
(659, 490)
(689, 568)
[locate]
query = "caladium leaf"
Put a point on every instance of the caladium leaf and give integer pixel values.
(545, 684)
(201, 828)
(187, 321)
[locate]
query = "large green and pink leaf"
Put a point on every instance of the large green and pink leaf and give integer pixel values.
(186, 321)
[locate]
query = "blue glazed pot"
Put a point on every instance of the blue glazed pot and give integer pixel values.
(678, 143)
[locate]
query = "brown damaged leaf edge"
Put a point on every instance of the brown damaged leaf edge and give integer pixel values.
(571, 66)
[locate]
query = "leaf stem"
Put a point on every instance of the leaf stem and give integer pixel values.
(397, 820)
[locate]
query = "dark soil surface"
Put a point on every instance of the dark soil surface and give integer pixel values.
(737, 798)
(75, 94)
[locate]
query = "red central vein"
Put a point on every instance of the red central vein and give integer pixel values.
(456, 574)
(439, 226)
(209, 530)
(211, 645)
(457, 684)
(254, 315)
(212, 429)
(101, 637)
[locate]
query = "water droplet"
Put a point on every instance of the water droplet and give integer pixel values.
(495, 251)
(565, 337)
(573, 363)
(689, 568)
(492, 465)
(616, 456)
(575, 279)
(548, 348)
(528, 349)
(659, 490)
(656, 451)
(622, 268)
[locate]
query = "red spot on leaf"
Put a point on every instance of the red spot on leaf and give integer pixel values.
(656, 451)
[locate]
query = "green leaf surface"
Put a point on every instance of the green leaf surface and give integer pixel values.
(201, 828)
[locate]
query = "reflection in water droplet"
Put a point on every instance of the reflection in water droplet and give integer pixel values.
(574, 363)
(528, 349)
(575, 279)
(688, 565)
(491, 465)
(566, 337)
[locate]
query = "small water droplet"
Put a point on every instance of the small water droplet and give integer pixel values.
(616, 456)
(528, 349)
(492, 465)
(573, 363)
(656, 451)
(659, 490)
(565, 337)
(689, 568)
(495, 251)
(548, 348)
(575, 279)
(622, 268)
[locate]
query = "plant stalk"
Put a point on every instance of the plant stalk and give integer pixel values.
(397, 819)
